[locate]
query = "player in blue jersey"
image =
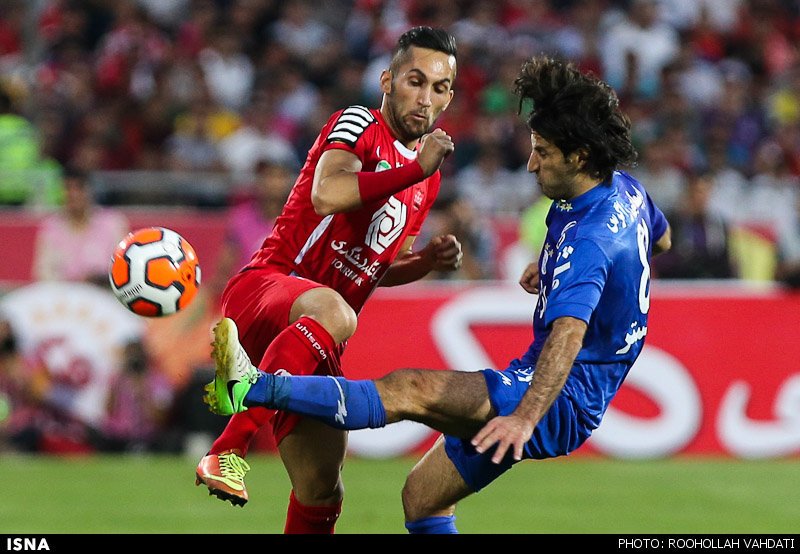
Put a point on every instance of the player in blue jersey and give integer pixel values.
(589, 322)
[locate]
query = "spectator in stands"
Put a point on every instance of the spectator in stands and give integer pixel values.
(94, 63)
(730, 184)
(784, 101)
(767, 216)
(37, 404)
(256, 137)
(580, 37)
(75, 242)
(739, 115)
(11, 383)
(228, 71)
(139, 401)
(480, 32)
(722, 16)
(700, 238)
(300, 31)
(194, 143)
(491, 187)
(665, 182)
(456, 216)
(19, 157)
(637, 48)
(773, 192)
(251, 219)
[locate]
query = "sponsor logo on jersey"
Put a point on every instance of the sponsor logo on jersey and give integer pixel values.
(312, 339)
(387, 225)
(419, 196)
(356, 264)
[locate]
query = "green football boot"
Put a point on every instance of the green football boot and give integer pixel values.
(234, 374)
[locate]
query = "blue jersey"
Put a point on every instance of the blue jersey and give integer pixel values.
(595, 266)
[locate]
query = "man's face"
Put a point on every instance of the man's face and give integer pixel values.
(77, 196)
(555, 174)
(419, 91)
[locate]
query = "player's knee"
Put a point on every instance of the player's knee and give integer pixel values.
(330, 310)
(341, 321)
(412, 505)
(320, 488)
(417, 501)
(410, 391)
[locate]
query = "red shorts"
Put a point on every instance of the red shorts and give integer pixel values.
(259, 301)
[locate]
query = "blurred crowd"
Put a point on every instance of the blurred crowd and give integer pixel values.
(242, 87)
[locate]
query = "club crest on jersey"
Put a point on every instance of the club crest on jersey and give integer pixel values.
(387, 225)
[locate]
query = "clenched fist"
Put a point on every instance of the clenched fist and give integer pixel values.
(444, 253)
(434, 148)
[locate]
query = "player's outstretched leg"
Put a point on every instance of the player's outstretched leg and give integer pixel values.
(335, 401)
(223, 474)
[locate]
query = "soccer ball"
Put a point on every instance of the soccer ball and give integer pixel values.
(154, 272)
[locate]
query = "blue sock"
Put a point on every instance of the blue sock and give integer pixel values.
(335, 401)
(438, 525)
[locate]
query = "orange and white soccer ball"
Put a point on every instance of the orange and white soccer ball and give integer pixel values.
(154, 272)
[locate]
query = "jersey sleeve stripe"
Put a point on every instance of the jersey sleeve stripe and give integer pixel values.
(344, 136)
(360, 110)
(356, 119)
(351, 124)
(342, 126)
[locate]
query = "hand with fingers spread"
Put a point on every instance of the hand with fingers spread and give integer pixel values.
(507, 432)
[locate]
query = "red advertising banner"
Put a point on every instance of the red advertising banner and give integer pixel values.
(719, 374)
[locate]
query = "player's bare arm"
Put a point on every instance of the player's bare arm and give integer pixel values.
(336, 180)
(552, 369)
(335, 186)
(442, 253)
(664, 243)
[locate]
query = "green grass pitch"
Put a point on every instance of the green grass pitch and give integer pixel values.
(156, 495)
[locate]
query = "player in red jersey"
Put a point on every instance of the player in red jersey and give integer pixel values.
(348, 226)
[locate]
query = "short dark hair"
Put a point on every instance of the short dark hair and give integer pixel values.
(423, 37)
(575, 110)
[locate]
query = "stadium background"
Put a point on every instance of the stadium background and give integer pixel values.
(174, 107)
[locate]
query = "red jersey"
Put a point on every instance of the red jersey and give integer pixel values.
(349, 252)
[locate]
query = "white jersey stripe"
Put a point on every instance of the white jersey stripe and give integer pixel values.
(345, 126)
(352, 123)
(344, 136)
(314, 237)
(355, 118)
(361, 110)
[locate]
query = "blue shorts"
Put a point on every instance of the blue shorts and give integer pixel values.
(558, 433)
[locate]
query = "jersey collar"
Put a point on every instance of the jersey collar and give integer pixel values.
(589, 198)
(399, 146)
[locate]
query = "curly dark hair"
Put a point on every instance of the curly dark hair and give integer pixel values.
(575, 110)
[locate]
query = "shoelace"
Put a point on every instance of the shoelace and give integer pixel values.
(243, 361)
(232, 466)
